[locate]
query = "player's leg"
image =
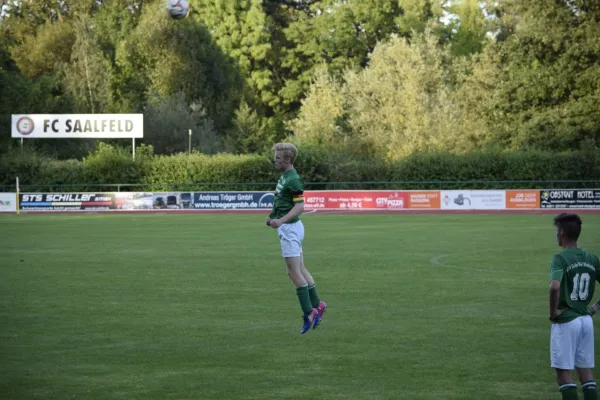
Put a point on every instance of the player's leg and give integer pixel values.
(584, 358)
(315, 300)
(294, 265)
(306, 274)
(566, 384)
(294, 272)
(588, 385)
(292, 252)
(295, 234)
(562, 357)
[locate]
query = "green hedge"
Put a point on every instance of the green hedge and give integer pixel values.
(319, 168)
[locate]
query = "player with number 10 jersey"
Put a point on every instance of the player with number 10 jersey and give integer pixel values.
(573, 275)
(577, 270)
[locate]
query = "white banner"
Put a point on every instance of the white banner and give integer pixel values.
(101, 126)
(8, 202)
(473, 199)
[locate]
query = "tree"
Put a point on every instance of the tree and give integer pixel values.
(320, 119)
(167, 121)
(243, 31)
(470, 27)
(401, 102)
(46, 51)
(250, 132)
(163, 57)
(89, 75)
(543, 82)
(278, 44)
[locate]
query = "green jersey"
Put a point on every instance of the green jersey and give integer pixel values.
(288, 192)
(577, 270)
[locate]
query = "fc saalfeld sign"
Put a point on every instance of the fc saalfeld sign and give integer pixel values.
(100, 126)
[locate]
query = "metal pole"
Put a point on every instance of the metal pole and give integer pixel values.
(21, 144)
(133, 148)
(18, 205)
(190, 142)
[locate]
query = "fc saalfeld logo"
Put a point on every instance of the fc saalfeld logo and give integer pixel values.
(25, 126)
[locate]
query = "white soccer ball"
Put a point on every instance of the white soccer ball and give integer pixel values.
(178, 9)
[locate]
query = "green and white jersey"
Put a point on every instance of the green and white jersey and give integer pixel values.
(577, 270)
(288, 192)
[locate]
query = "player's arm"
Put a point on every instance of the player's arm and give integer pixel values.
(294, 212)
(268, 219)
(297, 189)
(554, 297)
(594, 308)
(556, 274)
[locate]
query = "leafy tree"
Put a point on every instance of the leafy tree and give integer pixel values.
(251, 133)
(46, 51)
(163, 57)
(399, 104)
(89, 74)
(242, 29)
(114, 21)
(278, 44)
(167, 121)
(542, 82)
(470, 27)
(320, 119)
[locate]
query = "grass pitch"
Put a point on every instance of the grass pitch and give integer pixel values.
(200, 307)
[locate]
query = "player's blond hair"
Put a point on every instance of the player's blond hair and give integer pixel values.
(288, 150)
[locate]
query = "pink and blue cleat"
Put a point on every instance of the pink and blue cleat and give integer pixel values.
(320, 310)
(309, 319)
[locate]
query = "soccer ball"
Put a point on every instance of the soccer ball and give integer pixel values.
(178, 9)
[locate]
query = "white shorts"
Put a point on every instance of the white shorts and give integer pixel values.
(291, 237)
(572, 344)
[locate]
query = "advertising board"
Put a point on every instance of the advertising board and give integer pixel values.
(473, 199)
(8, 202)
(32, 126)
(66, 201)
(570, 198)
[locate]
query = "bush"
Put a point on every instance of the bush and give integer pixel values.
(320, 168)
(24, 164)
(217, 172)
(109, 165)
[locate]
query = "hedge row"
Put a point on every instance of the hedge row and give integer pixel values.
(320, 170)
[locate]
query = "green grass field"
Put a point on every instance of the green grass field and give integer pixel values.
(200, 307)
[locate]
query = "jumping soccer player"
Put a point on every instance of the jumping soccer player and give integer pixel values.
(573, 275)
(285, 217)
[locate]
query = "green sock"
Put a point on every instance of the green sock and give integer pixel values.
(568, 391)
(304, 298)
(314, 297)
(589, 391)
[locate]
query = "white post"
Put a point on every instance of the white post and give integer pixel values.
(133, 148)
(18, 205)
(190, 142)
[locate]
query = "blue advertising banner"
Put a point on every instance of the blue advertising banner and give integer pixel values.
(233, 200)
(66, 201)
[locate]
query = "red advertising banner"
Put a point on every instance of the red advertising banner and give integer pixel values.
(371, 199)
